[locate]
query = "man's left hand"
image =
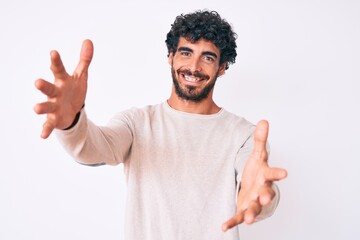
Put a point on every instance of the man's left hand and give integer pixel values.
(256, 184)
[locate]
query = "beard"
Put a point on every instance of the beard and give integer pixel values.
(188, 92)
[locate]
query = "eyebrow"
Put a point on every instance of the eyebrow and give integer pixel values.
(185, 49)
(210, 53)
(203, 53)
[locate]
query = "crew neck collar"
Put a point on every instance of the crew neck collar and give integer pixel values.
(195, 115)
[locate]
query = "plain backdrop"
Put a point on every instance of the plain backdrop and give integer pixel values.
(297, 66)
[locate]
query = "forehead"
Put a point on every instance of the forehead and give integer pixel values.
(200, 45)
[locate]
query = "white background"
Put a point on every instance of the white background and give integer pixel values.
(297, 66)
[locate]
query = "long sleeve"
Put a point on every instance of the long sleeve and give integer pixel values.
(269, 210)
(93, 145)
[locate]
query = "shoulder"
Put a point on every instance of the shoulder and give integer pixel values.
(238, 122)
(135, 114)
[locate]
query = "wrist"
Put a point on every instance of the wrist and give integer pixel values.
(76, 119)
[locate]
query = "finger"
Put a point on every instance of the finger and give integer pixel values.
(275, 174)
(48, 127)
(46, 88)
(44, 108)
(238, 218)
(260, 137)
(253, 210)
(86, 54)
(266, 194)
(57, 67)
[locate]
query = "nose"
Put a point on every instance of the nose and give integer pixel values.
(195, 65)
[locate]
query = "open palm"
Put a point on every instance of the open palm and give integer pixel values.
(66, 95)
(256, 183)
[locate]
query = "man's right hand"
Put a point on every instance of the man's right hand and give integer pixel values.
(66, 95)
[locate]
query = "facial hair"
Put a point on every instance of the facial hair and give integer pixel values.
(190, 93)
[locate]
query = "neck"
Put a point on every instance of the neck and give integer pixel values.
(206, 106)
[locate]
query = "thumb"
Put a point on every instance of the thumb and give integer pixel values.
(86, 54)
(260, 136)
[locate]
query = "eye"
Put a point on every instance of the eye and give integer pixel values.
(184, 53)
(209, 58)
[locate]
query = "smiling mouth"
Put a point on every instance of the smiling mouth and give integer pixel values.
(192, 77)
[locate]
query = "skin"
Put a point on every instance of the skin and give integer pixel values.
(256, 191)
(198, 56)
(66, 95)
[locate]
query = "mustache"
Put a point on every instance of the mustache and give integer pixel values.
(195, 74)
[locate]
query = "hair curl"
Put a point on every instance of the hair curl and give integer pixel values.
(207, 25)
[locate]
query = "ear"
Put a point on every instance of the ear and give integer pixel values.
(170, 57)
(222, 69)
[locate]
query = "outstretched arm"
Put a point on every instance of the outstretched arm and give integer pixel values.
(256, 189)
(66, 95)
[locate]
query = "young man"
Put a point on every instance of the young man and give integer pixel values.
(190, 165)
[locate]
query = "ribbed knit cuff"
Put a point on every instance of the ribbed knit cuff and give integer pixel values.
(76, 119)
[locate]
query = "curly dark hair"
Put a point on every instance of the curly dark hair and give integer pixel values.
(207, 25)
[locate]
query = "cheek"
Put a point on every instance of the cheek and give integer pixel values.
(176, 66)
(212, 71)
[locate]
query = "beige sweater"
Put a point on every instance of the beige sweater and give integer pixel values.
(182, 170)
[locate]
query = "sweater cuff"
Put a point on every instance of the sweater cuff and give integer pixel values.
(76, 119)
(269, 210)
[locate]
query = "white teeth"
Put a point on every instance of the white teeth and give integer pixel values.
(191, 79)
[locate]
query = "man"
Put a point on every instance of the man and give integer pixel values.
(189, 164)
